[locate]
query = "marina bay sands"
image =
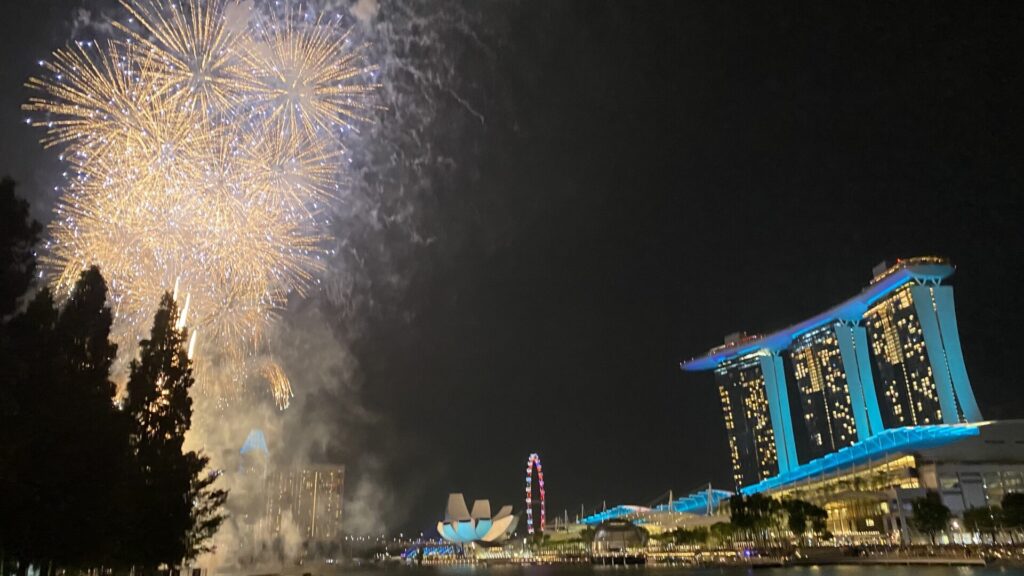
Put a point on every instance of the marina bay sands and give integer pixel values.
(902, 327)
(861, 409)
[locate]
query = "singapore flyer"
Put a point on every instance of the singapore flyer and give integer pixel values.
(534, 462)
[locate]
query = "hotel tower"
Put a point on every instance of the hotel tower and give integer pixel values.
(888, 357)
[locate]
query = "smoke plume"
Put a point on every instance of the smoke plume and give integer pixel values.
(379, 235)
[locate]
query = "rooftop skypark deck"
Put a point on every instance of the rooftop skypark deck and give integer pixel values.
(923, 270)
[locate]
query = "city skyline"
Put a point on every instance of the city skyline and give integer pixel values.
(557, 203)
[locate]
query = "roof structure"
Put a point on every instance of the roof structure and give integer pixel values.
(620, 511)
(696, 504)
(887, 444)
(255, 441)
(462, 526)
(925, 269)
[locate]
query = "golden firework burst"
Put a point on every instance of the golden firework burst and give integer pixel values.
(205, 147)
(280, 386)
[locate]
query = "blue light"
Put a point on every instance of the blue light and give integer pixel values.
(431, 550)
(465, 531)
(945, 310)
(922, 296)
(449, 533)
(852, 309)
(778, 410)
(867, 382)
(889, 443)
(254, 441)
(612, 513)
(696, 503)
(483, 526)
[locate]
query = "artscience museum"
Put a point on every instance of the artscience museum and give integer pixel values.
(463, 527)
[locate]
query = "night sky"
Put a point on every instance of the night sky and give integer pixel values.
(631, 181)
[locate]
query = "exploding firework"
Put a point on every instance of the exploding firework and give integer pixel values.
(280, 386)
(205, 146)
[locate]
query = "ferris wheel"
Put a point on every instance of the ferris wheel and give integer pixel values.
(534, 462)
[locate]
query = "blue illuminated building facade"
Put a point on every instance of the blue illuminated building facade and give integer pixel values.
(915, 344)
(878, 448)
(824, 395)
(703, 503)
(751, 444)
(887, 358)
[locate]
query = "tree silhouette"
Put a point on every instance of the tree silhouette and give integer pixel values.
(207, 514)
(64, 440)
(800, 513)
(722, 532)
(1013, 511)
(18, 236)
(176, 508)
(25, 509)
(984, 520)
(93, 441)
(689, 537)
(22, 341)
(931, 516)
(83, 483)
(756, 514)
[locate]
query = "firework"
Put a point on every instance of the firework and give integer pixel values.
(293, 88)
(280, 386)
(205, 146)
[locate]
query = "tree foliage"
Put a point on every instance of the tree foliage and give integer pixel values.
(755, 513)
(85, 483)
(19, 234)
(65, 442)
(167, 483)
(1013, 510)
(802, 515)
(984, 520)
(690, 537)
(931, 516)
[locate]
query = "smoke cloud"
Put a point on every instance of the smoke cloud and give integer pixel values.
(85, 22)
(365, 10)
(380, 232)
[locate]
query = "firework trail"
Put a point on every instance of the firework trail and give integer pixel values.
(205, 142)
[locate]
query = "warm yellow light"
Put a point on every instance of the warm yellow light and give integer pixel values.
(205, 146)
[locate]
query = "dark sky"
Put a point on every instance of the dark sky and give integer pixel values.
(649, 177)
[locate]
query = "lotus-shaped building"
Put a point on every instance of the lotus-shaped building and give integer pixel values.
(463, 527)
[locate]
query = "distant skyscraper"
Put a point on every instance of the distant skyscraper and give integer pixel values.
(916, 349)
(269, 503)
(756, 412)
(824, 395)
(310, 499)
(254, 456)
(888, 357)
(747, 421)
(246, 497)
